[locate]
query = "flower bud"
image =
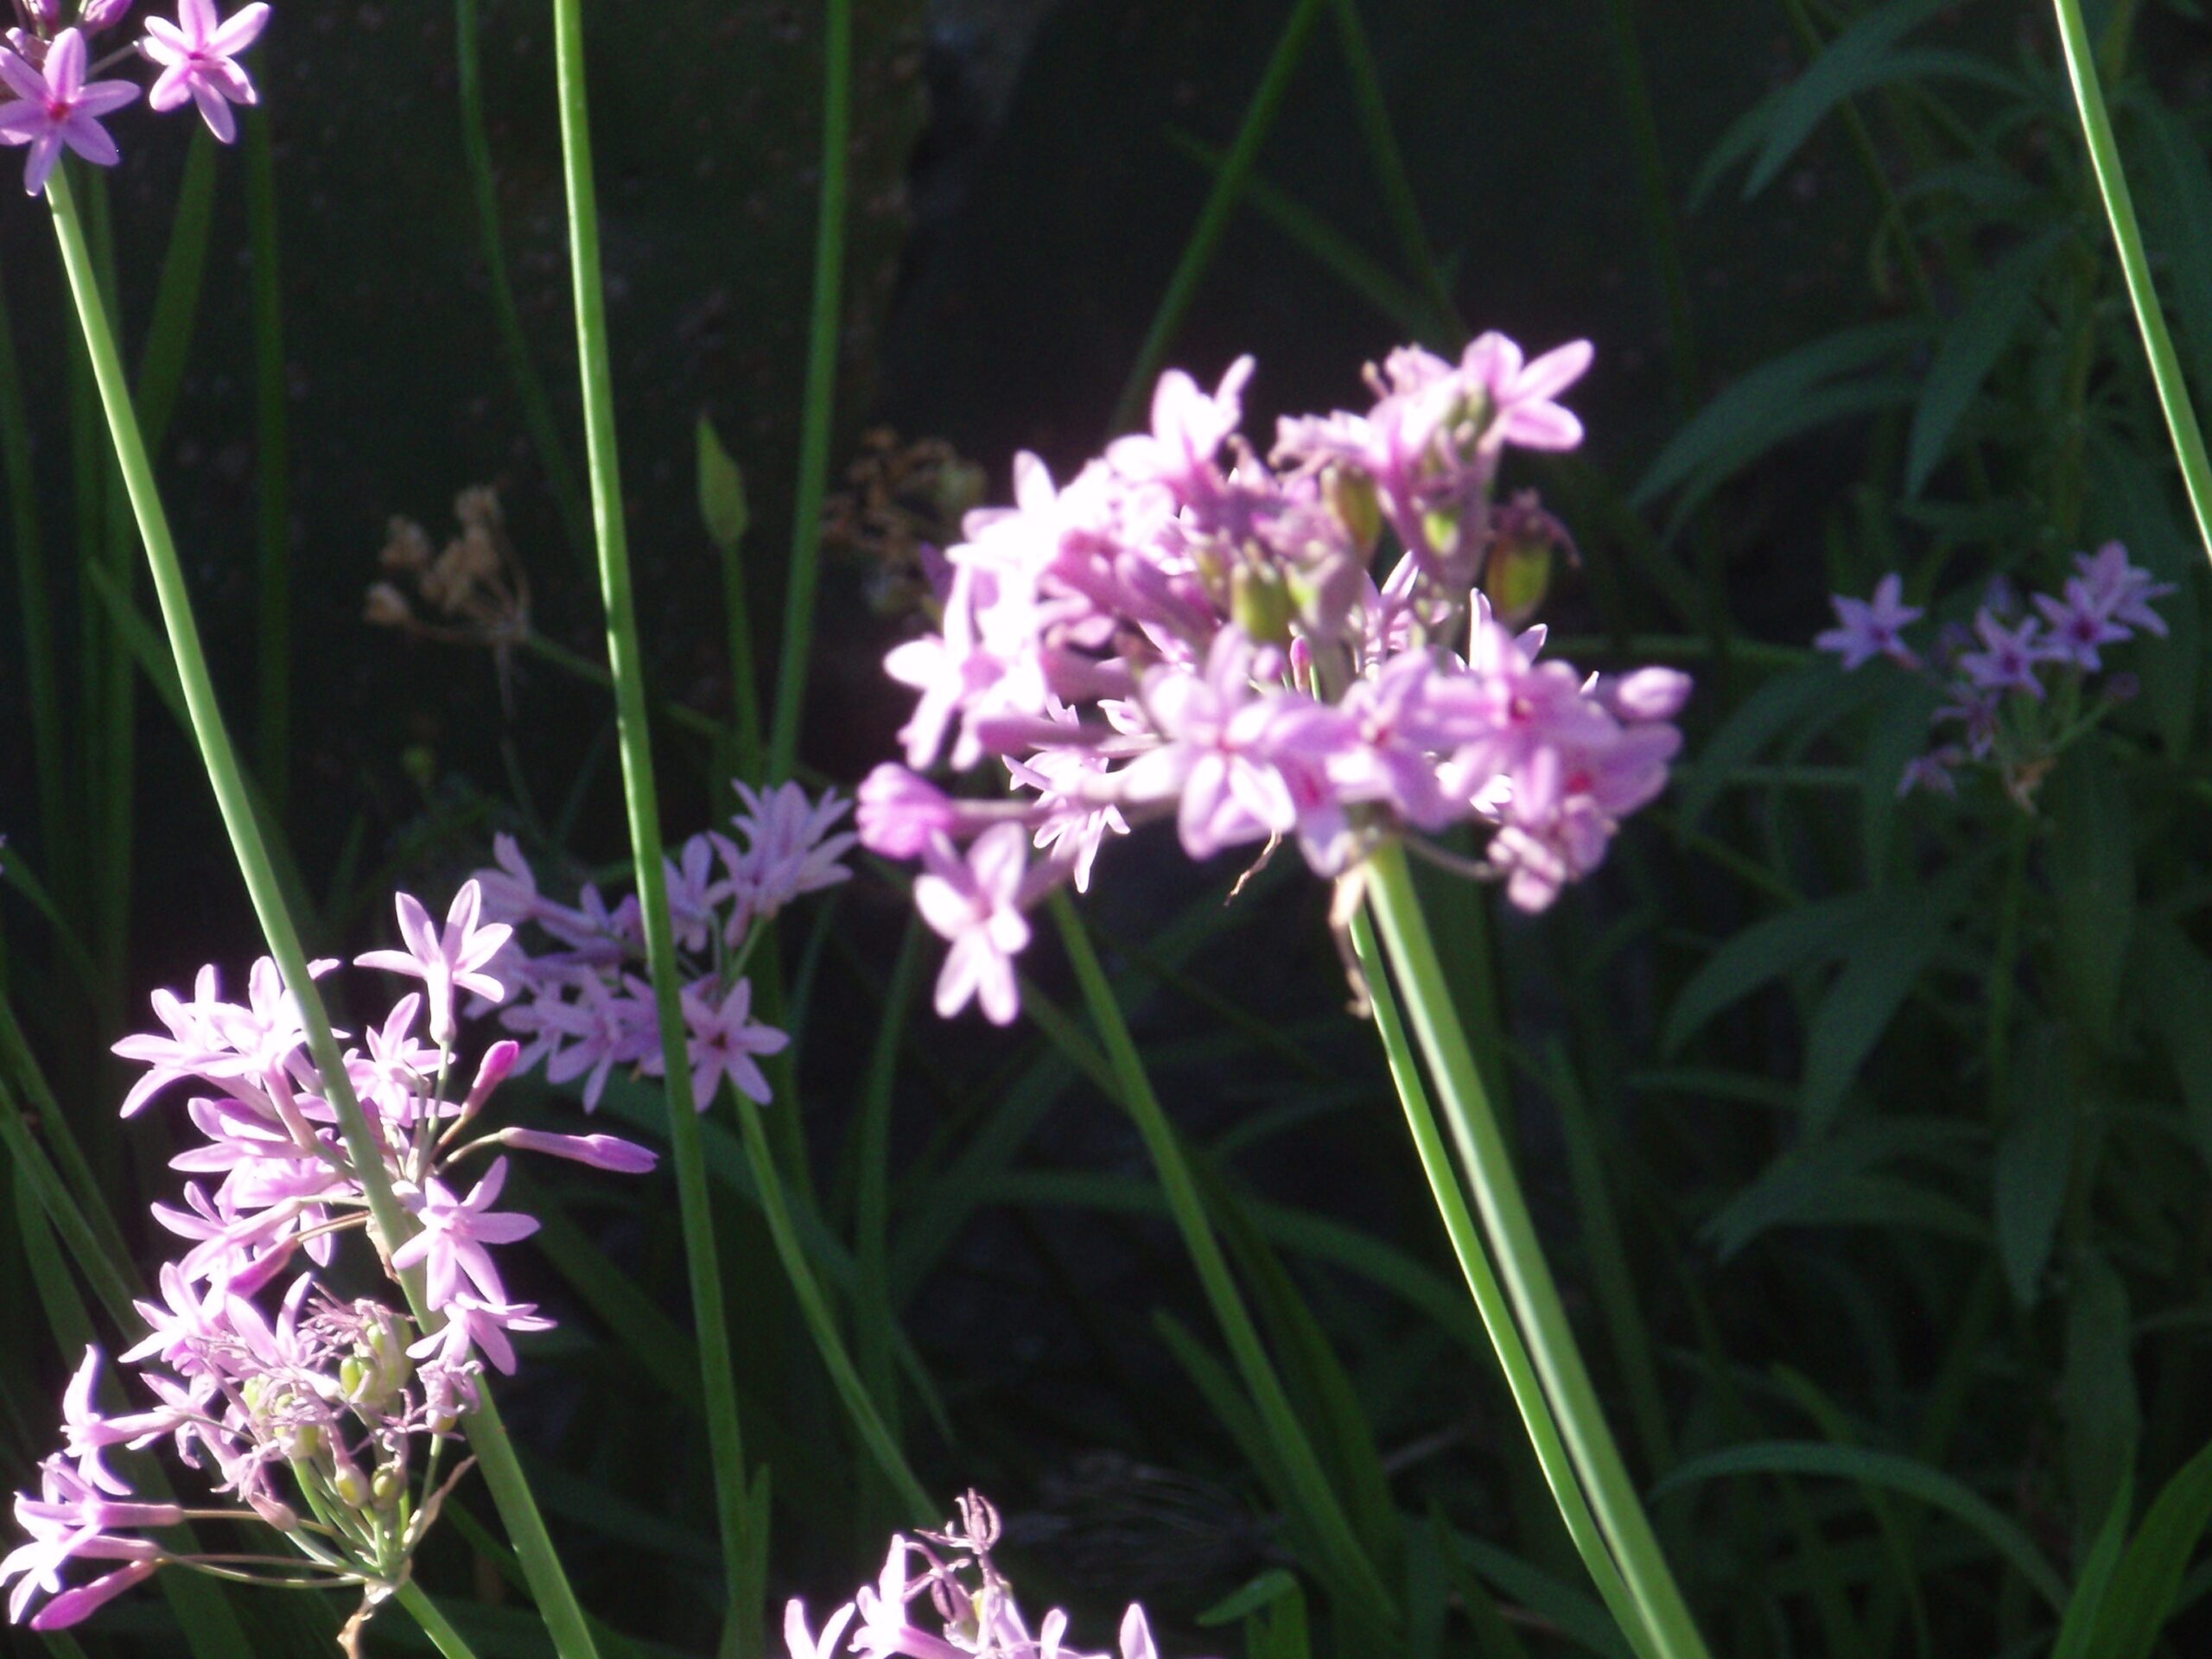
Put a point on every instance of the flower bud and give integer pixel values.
(349, 1482)
(1352, 496)
(385, 606)
(385, 1486)
(98, 14)
(1259, 605)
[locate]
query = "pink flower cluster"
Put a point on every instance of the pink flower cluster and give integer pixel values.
(949, 1579)
(585, 1007)
(343, 1406)
(1998, 676)
(1187, 630)
(56, 107)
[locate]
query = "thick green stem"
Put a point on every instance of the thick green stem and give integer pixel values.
(1521, 1379)
(1512, 1234)
(389, 1223)
(424, 1611)
(2135, 264)
(815, 418)
(1313, 1491)
(703, 1259)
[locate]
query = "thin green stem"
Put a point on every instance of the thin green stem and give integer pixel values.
(1300, 1465)
(2135, 265)
(272, 470)
(816, 415)
(1521, 1379)
(506, 317)
(814, 1307)
(633, 732)
(390, 1225)
(1268, 98)
(424, 1611)
(1512, 1234)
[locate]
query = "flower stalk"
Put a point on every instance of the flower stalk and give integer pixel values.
(2135, 264)
(1527, 1280)
(388, 1222)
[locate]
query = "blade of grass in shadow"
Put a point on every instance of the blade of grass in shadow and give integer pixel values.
(1327, 246)
(176, 298)
(1268, 98)
(34, 601)
(873, 1316)
(817, 411)
(514, 347)
(272, 473)
(1389, 164)
(625, 656)
(1358, 1579)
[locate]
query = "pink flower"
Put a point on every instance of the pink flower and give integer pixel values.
(2080, 624)
(803, 1644)
(1520, 394)
(976, 904)
(607, 1152)
(454, 1233)
(1188, 429)
(456, 958)
(197, 53)
(1870, 628)
(473, 1322)
(901, 811)
(722, 1040)
(56, 106)
(2007, 660)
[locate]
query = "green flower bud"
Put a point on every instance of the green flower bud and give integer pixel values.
(1352, 496)
(1260, 604)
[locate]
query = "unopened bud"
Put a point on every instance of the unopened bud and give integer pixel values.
(385, 1486)
(277, 1513)
(386, 606)
(98, 14)
(1352, 499)
(1260, 604)
(350, 1484)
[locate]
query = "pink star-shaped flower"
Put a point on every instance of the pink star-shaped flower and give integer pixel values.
(442, 961)
(197, 53)
(56, 106)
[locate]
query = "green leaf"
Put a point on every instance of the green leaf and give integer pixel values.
(1839, 1179)
(1887, 1469)
(2145, 1586)
(1269, 1587)
(2093, 870)
(2097, 1386)
(1972, 344)
(1887, 958)
(2033, 1161)
(2136, 503)
(1798, 701)
(2078, 1635)
(1760, 954)
(1742, 421)
(2177, 982)
(1859, 61)
(723, 506)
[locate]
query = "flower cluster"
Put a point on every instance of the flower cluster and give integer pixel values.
(1188, 630)
(2014, 679)
(584, 1006)
(324, 1416)
(56, 107)
(949, 1579)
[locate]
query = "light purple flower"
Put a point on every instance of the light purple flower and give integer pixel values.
(1871, 627)
(1521, 393)
(803, 1644)
(721, 1038)
(455, 1234)
(607, 1151)
(976, 904)
(789, 850)
(474, 1322)
(55, 105)
(2008, 656)
(442, 961)
(2121, 590)
(1188, 429)
(2080, 624)
(900, 812)
(197, 53)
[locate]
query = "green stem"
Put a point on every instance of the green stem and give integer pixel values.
(1303, 1468)
(2135, 265)
(814, 1307)
(424, 1611)
(1220, 204)
(1512, 1233)
(537, 408)
(703, 1258)
(821, 387)
(388, 1222)
(1521, 1379)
